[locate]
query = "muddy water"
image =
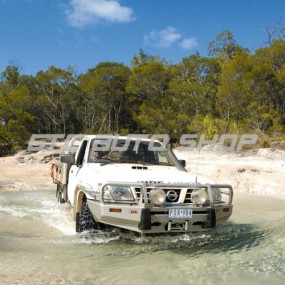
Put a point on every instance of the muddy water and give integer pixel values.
(38, 245)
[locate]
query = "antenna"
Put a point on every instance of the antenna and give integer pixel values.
(196, 176)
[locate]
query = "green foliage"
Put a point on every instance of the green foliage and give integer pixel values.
(55, 99)
(194, 85)
(15, 119)
(148, 86)
(233, 91)
(104, 100)
(224, 46)
(142, 58)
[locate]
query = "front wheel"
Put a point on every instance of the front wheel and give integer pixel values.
(84, 219)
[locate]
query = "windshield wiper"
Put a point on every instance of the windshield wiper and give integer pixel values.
(121, 161)
(103, 161)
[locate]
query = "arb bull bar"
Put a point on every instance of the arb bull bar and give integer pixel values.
(151, 217)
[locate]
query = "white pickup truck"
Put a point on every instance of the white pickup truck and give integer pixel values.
(138, 185)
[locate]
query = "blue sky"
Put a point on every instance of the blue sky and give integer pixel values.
(36, 34)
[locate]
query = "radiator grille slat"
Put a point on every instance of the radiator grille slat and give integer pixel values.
(181, 192)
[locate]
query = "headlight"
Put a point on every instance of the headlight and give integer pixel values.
(199, 196)
(216, 194)
(157, 196)
(118, 193)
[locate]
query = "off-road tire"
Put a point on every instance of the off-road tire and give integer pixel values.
(84, 219)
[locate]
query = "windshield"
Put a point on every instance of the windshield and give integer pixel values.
(129, 152)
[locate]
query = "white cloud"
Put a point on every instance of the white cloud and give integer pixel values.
(167, 37)
(164, 38)
(189, 43)
(84, 12)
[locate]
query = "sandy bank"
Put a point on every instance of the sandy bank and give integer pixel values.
(27, 171)
(261, 172)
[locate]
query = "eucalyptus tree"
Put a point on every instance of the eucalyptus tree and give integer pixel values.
(104, 101)
(15, 117)
(142, 58)
(251, 94)
(56, 99)
(194, 85)
(224, 45)
(270, 77)
(149, 86)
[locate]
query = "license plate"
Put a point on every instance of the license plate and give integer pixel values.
(180, 213)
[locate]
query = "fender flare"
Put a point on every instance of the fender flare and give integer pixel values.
(78, 200)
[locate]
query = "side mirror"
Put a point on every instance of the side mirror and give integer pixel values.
(182, 162)
(67, 158)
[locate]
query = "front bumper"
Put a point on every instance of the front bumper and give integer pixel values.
(156, 219)
(142, 216)
(162, 223)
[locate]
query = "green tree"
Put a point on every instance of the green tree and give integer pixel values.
(142, 58)
(152, 102)
(193, 87)
(269, 83)
(224, 46)
(15, 119)
(104, 102)
(56, 99)
(251, 95)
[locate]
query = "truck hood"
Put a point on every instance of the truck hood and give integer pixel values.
(139, 173)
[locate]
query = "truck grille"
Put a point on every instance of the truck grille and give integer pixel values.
(173, 195)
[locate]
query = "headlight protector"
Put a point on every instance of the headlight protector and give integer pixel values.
(118, 193)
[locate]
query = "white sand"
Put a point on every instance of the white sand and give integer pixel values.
(27, 171)
(261, 172)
